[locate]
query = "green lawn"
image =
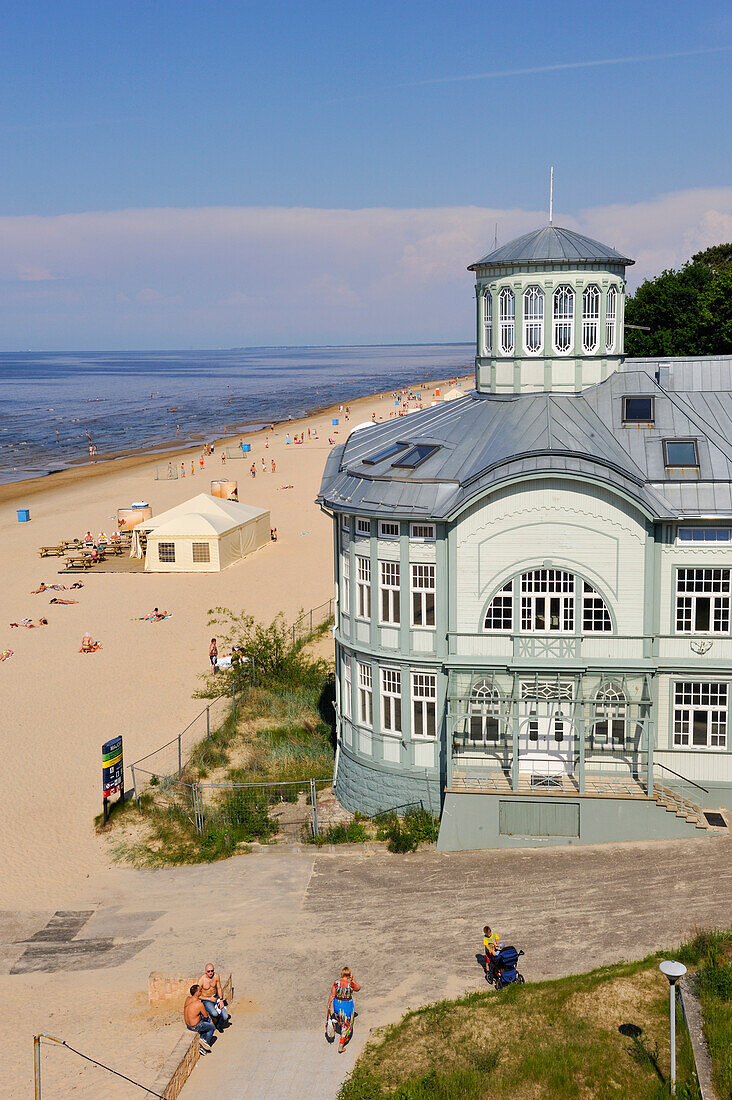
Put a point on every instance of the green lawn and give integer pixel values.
(603, 1034)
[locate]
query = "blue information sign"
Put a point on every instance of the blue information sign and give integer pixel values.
(112, 767)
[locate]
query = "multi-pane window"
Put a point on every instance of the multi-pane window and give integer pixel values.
(703, 601)
(551, 600)
(485, 704)
(166, 551)
(533, 320)
(487, 323)
(422, 532)
(700, 715)
(365, 695)
(499, 615)
(590, 318)
(345, 592)
(346, 685)
(595, 615)
(610, 716)
(363, 526)
(611, 315)
(345, 523)
(363, 587)
(547, 600)
(507, 319)
(423, 595)
(563, 319)
(389, 592)
(424, 704)
(391, 700)
(704, 534)
(202, 551)
(388, 530)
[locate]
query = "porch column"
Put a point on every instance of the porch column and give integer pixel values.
(581, 738)
(514, 746)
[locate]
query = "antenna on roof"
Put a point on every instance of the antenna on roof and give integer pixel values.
(551, 194)
(495, 237)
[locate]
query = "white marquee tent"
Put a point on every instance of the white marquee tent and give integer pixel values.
(204, 535)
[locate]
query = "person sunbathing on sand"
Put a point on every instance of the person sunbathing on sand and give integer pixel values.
(42, 588)
(56, 600)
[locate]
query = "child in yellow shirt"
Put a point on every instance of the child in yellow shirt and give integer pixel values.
(490, 946)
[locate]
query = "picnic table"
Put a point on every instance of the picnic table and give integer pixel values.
(52, 551)
(80, 561)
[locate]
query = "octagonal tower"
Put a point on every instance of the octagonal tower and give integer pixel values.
(550, 309)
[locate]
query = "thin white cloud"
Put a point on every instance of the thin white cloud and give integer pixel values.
(234, 276)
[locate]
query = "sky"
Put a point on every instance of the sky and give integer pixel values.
(215, 174)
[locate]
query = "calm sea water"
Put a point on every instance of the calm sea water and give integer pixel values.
(136, 401)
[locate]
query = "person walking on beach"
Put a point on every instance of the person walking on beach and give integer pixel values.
(274, 467)
(253, 470)
(264, 467)
(193, 469)
(200, 461)
(213, 654)
(223, 456)
(182, 469)
(197, 1019)
(340, 1005)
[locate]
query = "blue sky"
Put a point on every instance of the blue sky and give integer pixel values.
(321, 106)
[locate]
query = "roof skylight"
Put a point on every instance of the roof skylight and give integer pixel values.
(638, 410)
(384, 453)
(680, 453)
(415, 456)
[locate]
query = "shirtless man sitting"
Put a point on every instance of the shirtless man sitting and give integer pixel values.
(212, 996)
(197, 1019)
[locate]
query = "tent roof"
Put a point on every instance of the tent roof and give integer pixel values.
(202, 515)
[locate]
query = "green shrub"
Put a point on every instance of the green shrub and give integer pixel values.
(353, 833)
(404, 834)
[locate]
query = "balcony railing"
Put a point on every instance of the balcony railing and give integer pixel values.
(565, 647)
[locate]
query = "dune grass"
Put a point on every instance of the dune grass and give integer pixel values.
(597, 1035)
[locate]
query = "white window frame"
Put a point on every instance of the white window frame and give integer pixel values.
(422, 532)
(365, 695)
(346, 583)
(424, 705)
(500, 609)
(484, 715)
(533, 320)
(611, 317)
(363, 587)
(386, 529)
(704, 536)
(389, 593)
(391, 700)
(703, 593)
(591, 318)
(609, 723)
(701, 714)
(541, 590)
(423, 577)
(363, 526)
(487, 322)
(346, 523)
(346, 686)
(563, 319)
(507, 320)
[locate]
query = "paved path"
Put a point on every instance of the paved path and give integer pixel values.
(409, 926)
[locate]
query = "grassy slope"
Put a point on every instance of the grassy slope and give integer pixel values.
(557, 1039)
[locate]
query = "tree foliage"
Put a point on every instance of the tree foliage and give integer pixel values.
(687, 312)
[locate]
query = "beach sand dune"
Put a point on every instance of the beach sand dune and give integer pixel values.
(61, 705)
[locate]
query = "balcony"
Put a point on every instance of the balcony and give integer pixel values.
(563, 647)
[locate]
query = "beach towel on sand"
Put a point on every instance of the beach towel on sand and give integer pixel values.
(91, 648)
(6, 655)
(152, 618)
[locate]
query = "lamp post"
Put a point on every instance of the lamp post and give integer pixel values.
(673, 971)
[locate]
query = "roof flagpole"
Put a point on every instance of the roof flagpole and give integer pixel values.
(551, 194)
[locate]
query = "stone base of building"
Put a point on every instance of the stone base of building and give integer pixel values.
(370, 789)
(475, 821)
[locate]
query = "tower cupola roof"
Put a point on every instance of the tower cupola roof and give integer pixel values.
(552, 245)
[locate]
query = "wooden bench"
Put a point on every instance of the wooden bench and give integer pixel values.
(81, 561)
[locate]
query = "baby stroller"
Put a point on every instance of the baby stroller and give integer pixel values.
(503, 968)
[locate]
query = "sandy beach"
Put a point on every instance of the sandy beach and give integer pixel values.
(60, 705)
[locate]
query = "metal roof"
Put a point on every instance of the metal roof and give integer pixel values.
(484, 440)
(552, 245)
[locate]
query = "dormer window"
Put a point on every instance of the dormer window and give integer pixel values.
(507, 318)
(680, 454)
(638, 410)
(563, 319)
(590, 319)
(533, 320)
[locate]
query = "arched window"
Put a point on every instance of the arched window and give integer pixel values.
(611, 312)
(590, 318)
(507, 316)
(533, 320)
(487, 323)
(563, 319)
(485, 712)
(609, 722)
(552, 601)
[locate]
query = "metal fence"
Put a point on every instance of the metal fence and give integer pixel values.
(311, 620)
(266, 811)
(168, 761)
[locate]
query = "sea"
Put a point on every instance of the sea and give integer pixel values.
(146, 402)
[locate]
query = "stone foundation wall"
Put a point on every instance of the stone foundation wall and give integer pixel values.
(371, 790)
(176, 987)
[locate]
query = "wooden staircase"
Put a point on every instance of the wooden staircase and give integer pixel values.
(675, 803)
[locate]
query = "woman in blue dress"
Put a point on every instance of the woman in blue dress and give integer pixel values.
(340, 1005)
